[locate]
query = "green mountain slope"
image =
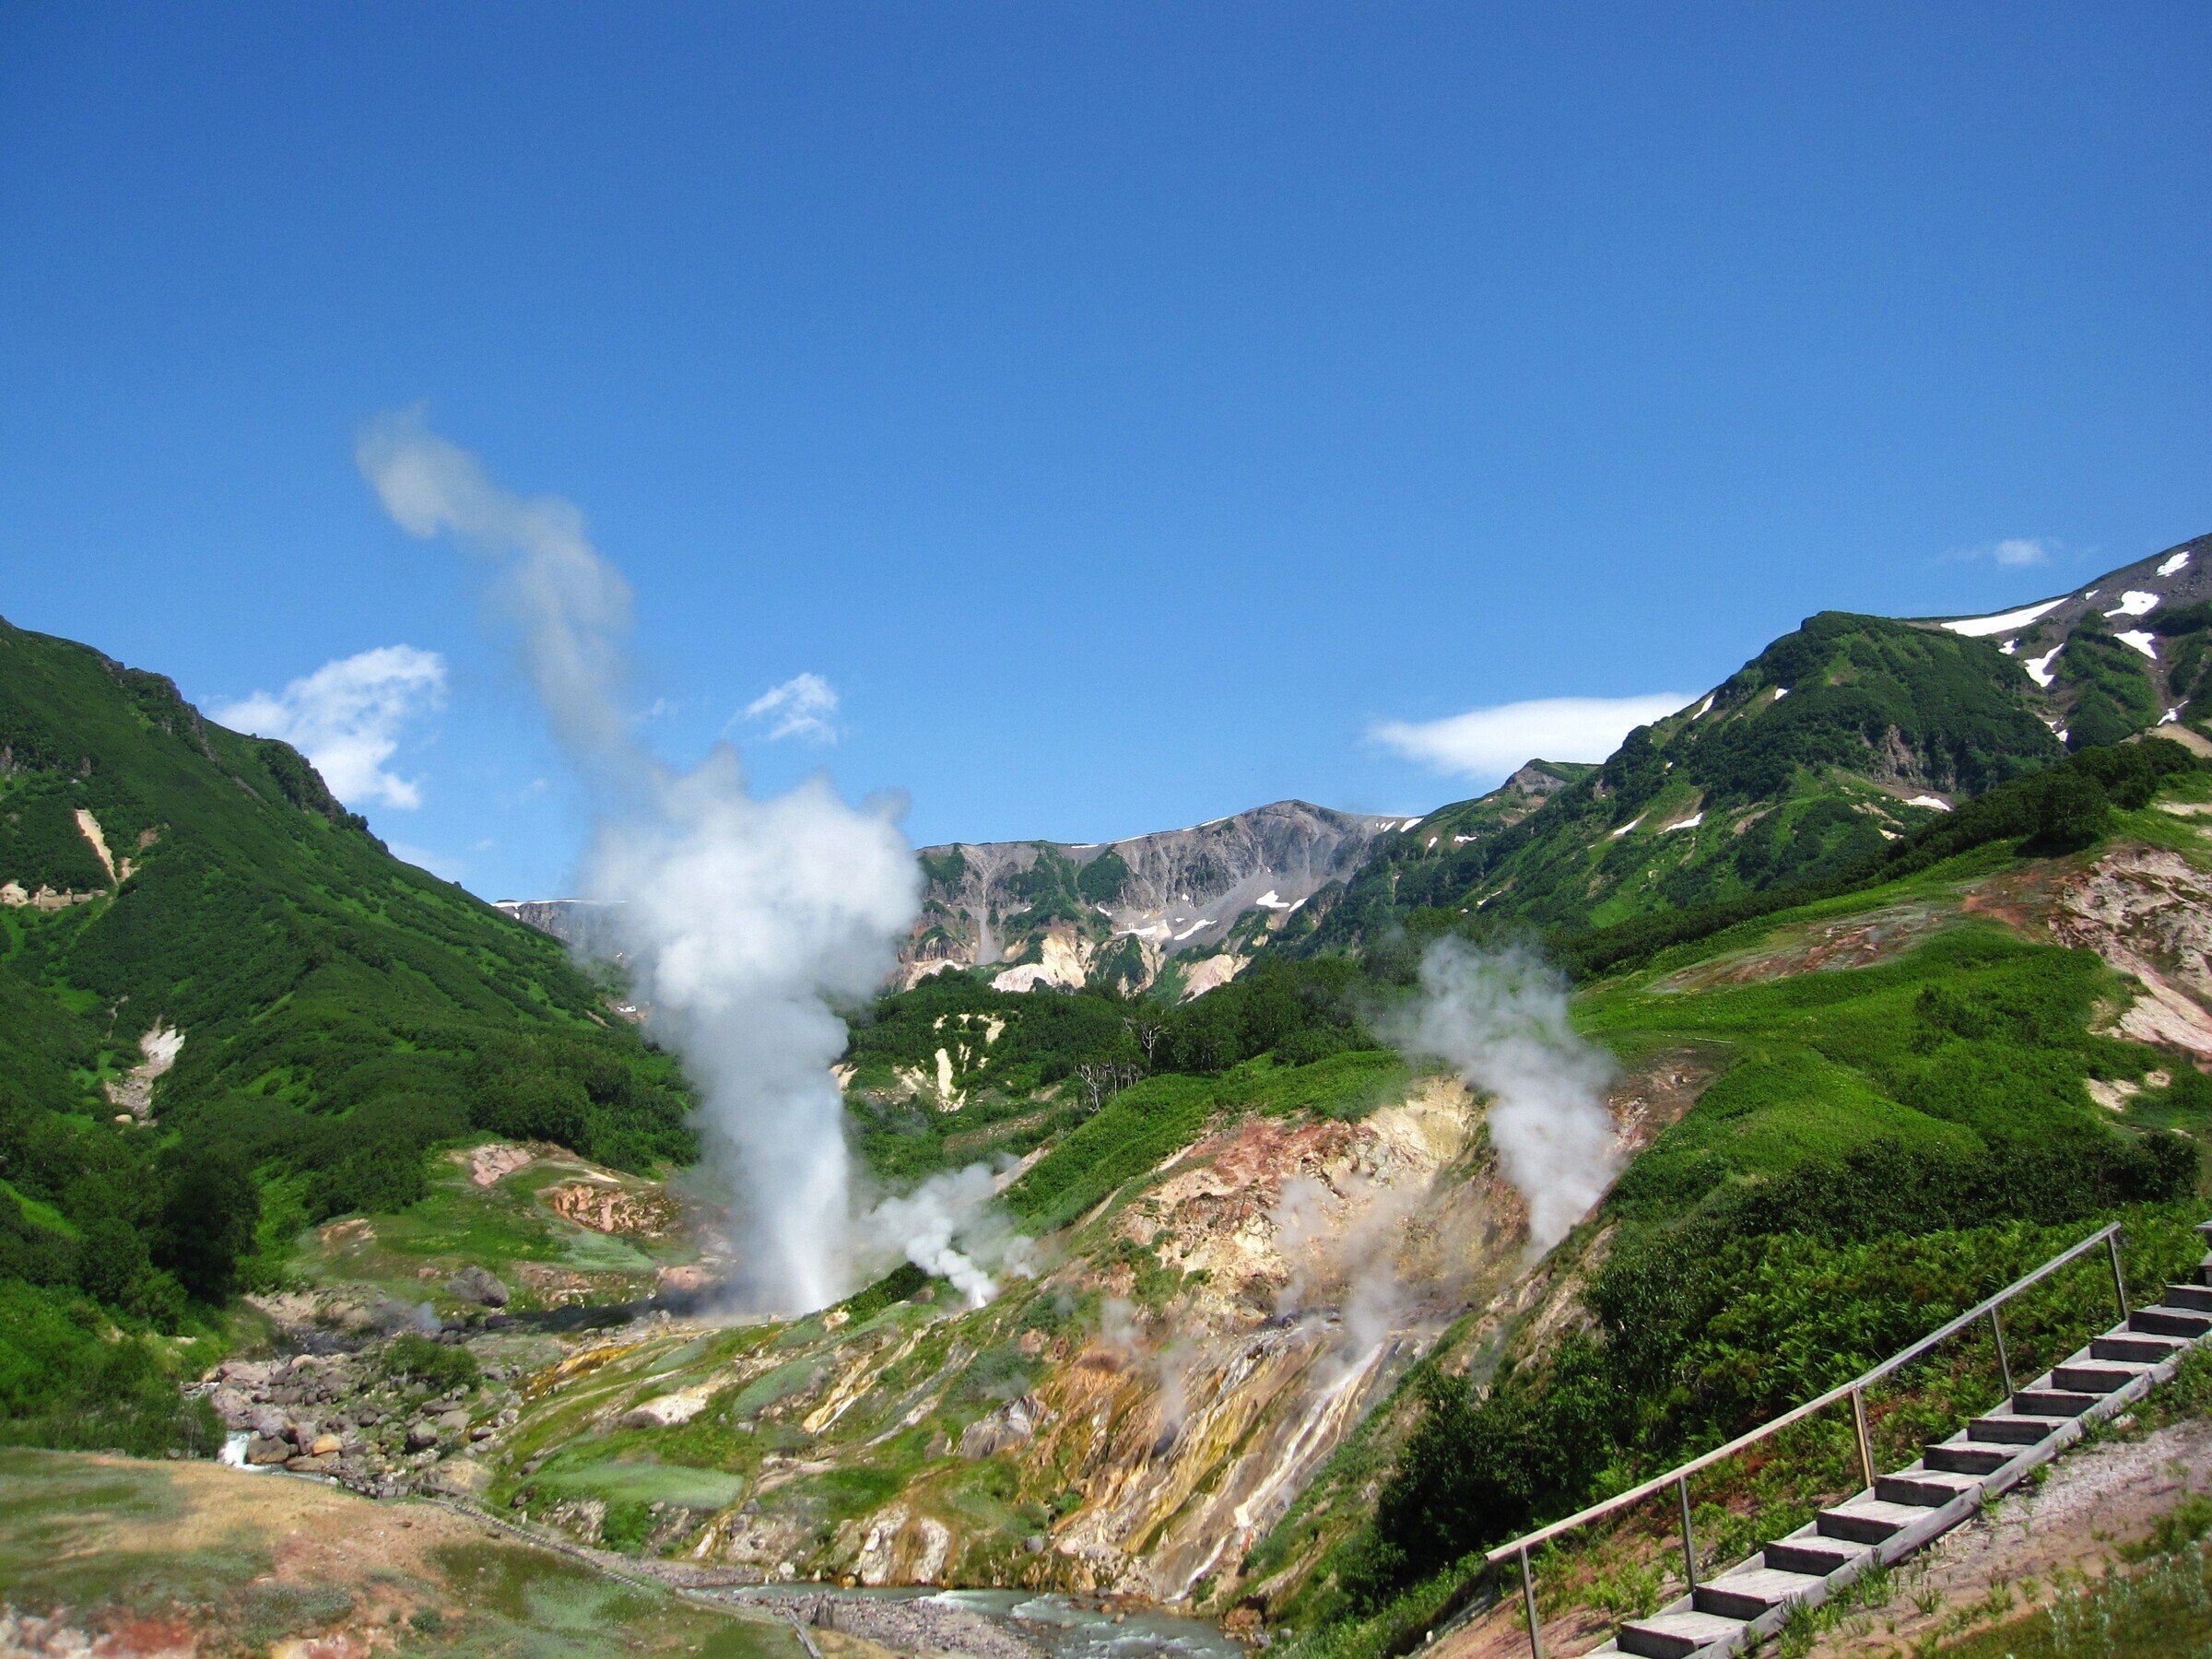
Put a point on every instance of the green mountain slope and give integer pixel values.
(1834, 741)
(339, 1011)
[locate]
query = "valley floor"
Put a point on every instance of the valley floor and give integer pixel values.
(131, 1560)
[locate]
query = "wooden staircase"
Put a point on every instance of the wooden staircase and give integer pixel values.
(1898, 1513)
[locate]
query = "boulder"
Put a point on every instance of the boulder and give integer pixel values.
(453, 1422)
(310, 1466)
(232, 1406)
(267, 1448)
(473, 1284)
(323, 1444)
(421, 1436)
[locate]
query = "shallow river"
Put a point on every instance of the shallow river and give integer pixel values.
(1048, 1623)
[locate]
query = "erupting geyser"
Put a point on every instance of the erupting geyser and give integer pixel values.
(744, 917)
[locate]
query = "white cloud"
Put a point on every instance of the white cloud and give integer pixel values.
(800, 707)
(345, 717)
(1489, 743)
(2014, 552)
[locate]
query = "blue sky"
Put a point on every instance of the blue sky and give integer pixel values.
(1119, 411)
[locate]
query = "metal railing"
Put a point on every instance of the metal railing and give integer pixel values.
(1854, 1391)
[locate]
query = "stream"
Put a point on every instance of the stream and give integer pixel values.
(999, 1624)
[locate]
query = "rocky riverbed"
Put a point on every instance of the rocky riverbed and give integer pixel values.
(398, 1403)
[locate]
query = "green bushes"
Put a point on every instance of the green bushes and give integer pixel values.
(68, 1379)
(1129, 1135)
(440, 1367)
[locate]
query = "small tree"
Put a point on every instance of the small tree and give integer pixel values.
(2072, 811)
(208, 1216)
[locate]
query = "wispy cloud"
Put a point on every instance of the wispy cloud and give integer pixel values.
(803, 706)
(346, 717)
(1489, 743)
(2012, 552)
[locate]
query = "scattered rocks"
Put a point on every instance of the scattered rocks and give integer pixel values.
(910, 1627)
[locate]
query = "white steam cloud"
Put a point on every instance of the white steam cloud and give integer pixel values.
(745, 918)
(948, 1226)
(1501, 1018)
(345, 717)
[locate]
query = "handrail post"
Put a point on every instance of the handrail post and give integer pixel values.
(1690, 1542)
(1858, 1421)
(1528, 1599)
(2111, 1240)
(1996, 1329)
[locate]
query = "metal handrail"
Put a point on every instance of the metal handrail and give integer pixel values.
(1853, 1391)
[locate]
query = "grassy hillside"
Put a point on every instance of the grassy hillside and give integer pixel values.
(340, 1012)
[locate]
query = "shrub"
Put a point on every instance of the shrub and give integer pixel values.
(438, 1366)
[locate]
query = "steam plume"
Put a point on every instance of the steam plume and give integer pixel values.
(1500, 1017)
(745, 917)
(949, 1227)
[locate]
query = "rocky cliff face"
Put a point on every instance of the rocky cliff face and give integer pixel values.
(1057, 913)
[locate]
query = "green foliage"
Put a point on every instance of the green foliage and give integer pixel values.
(1136, 1129)
(438, 1366)
(2160, 1611)
(69, 1379)
(1854, 682)
(898, 1284)
(945, 868)
(1101, 881)
(2176, 1530)
(1303, 1013)
(1864, 696)
(207, 1219)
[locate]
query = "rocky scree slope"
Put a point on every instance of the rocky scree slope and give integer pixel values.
(1055, 913)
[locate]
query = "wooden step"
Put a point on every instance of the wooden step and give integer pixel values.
(1749, 1591)
(1865, 1520)
(2094, 1378)
(1811, 1554)
(2169, 1322)
(2053, 1402)
(1928, 1488)
(1960, 1457)
(2196, 1297)
(2146, 1350)
(2011, 1429)
(1674, 1635)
